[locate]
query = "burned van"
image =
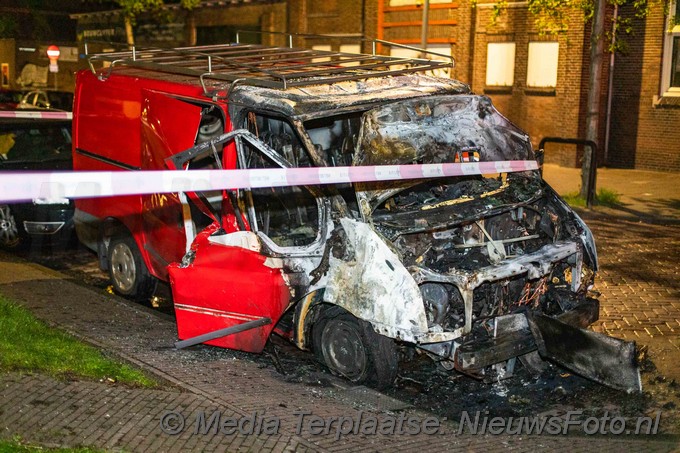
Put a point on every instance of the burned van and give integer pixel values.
(479, 271)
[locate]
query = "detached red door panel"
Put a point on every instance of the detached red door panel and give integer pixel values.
(223, 287)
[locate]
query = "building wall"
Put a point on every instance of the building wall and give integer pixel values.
(645, 131)
(541, 112)
(342, 18)
(271, 17)
(403, 25)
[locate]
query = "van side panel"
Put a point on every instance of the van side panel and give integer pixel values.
(107, 126)
(108, 118)
(106, 137)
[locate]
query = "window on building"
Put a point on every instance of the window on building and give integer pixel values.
(351, 48)
(670, 81)
(542, 65)
(500, 64)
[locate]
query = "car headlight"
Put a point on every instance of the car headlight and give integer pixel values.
(436, 300)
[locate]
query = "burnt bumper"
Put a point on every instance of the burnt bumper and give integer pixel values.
(562, 340)
(513, 337)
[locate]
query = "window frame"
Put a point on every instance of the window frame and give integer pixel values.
(270, 247)
(529, 61)
(514, 65)
(670, 32)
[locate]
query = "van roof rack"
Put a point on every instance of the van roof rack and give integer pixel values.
(269, 66)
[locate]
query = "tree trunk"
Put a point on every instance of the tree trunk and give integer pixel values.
(594, 92)
(128, 32)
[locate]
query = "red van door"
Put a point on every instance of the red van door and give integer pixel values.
(169, 126)
(228, 283)
(225, 280)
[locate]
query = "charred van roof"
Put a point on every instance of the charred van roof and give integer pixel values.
(316, 100)
(312, 100)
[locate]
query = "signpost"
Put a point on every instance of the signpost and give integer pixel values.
(53, 54)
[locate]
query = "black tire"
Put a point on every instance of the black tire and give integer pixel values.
(349, 347)
(129, 275)
(10, 232)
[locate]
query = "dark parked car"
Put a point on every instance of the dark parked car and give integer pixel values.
(10, 99)
(41, 100)
(35, 145)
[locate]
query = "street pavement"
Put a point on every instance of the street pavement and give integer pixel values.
(639, 249)
(651, 196)
(640, 263)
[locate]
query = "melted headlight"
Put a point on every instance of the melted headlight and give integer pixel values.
(436, 300)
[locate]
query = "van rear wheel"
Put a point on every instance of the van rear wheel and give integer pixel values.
(350, 347)
(129, 275)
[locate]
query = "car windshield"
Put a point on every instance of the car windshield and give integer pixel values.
(438, 129)
(35, 143)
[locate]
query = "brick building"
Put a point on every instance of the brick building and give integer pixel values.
(541, 83)
(645, 130)
(538, 81)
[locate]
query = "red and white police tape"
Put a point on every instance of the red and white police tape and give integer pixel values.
(33, 115)
(21, 186)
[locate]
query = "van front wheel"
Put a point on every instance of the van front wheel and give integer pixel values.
(129, 275)
(350, 347)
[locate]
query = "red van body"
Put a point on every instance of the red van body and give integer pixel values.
(131, 122)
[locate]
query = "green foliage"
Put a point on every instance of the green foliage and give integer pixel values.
(8, 26)
(133, 8)
(17, 446)
(41, 27)
(551, 16)
(604, 197)
(27, 344)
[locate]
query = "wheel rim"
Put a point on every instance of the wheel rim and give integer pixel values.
(343, 349)
(9, 234)
(123, 269)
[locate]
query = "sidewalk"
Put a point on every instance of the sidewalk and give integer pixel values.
(43, 410)
(647, 195)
